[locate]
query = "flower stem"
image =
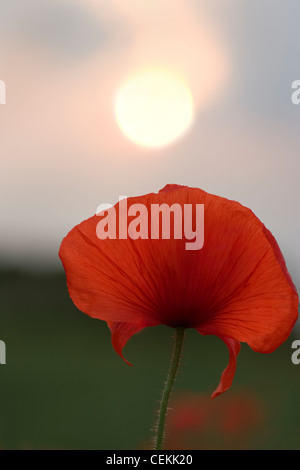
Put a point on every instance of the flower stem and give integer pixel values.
(179, 336)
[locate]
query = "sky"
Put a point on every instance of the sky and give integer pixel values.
(62, 153)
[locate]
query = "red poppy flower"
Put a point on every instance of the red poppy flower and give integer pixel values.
(236, 287)
(231, 423)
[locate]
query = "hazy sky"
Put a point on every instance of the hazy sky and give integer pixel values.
(62, 153)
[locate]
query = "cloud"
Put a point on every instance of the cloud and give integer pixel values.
(63, 28)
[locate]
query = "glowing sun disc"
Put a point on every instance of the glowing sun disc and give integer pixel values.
(154, 108)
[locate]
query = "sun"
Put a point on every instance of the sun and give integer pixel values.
(154, 108)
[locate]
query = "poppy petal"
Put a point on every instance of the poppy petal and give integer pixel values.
(121, 332)
(227, 376)
(105, 277)
(237, 283)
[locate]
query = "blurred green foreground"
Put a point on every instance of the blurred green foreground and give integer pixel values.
(64, 387)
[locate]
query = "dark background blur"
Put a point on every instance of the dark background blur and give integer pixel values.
(65, 387)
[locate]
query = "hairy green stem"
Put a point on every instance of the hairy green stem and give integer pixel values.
(179, 336)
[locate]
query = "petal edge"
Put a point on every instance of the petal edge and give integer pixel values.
(121, 332)
(228, 373)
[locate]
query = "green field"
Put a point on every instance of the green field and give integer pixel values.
(64, 387)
